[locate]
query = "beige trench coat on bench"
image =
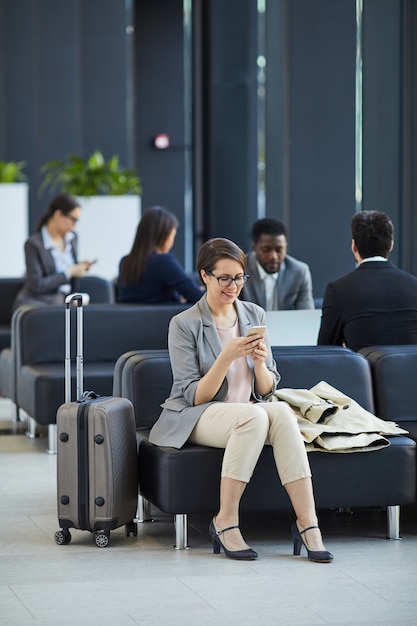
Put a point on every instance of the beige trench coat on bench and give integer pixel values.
(332, 422)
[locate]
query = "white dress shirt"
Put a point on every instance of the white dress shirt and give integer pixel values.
(270, 281)
(63, 259)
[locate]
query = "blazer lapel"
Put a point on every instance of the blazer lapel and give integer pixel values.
(257, 285)
(211, 336)
(244, 321)
(45, 256)
(281, 285)
(210, 333)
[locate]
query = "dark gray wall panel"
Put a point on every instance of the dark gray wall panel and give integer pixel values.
(19, 84)
(230, 120)
(159, 78)
(321, 71)
(277, 111)
(65, 83)
(382, 111)
(412, 133)
(3, 50)
(56, 79)
(103, 78)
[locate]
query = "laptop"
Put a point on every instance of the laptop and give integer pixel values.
(293, 328)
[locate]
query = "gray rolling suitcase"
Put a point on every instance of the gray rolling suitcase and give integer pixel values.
(97, 486)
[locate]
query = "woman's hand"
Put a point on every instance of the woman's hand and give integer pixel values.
(79, 269)
(255, 347)
(263, 377)
(259, 353)
(210, 383)
(242, 346)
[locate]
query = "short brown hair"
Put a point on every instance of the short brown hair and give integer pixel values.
(373, 233)
(219, 248)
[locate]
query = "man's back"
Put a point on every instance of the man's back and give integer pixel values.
(376, 304)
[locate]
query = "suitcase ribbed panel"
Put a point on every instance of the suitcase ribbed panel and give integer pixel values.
(67, 464)
(113, 463)
(111, 470)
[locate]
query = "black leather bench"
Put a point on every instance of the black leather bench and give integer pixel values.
(394, 370)
(186, 481)
(9, 288)
(109, 331)
(100, 290)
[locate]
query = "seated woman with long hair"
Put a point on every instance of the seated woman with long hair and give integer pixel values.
(52, 267)
(150, 273)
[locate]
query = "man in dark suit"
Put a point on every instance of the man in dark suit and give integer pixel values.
(376, 304)
(277, 281)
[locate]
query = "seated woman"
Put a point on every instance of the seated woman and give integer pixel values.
(51, 255)
(222, 380)
(150, 274)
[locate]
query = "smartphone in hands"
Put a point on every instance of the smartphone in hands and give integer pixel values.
(256, 330)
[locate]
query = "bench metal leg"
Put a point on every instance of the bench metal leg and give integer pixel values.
(143, 513)
(16, 413)
(31, 431)
(393, 522)
(51, 439)
(181, 532)
(21, 415)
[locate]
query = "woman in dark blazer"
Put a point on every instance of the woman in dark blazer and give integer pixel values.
(51, 255)
(150, 274)
(222, 381)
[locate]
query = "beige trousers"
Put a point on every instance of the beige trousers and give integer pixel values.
(243, 429)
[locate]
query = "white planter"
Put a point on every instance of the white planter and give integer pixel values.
(14, 228)
(106, 231)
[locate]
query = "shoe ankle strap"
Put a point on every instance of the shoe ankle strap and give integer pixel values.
(306, 529)
(220, 532)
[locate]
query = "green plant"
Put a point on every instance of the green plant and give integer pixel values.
(90, 177)
(11, 171)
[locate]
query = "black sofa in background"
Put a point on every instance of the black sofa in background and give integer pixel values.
(9, 288)
(181, 482)
(394, 376)
(100, 290)
(39, 352)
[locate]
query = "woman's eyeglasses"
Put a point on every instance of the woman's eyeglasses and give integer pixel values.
(226, 281)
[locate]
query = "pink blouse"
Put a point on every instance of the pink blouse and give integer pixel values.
(239, 375)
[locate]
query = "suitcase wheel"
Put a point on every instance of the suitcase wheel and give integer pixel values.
(62, 537)
(131, 529)
(102, 538)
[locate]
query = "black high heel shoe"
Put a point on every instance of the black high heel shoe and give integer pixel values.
(319, 556)
(215, 534)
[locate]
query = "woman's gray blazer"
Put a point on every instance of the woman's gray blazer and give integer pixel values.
(194, 345)
(42, 280)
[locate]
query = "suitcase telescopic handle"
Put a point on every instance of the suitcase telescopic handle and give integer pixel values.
(78, 299)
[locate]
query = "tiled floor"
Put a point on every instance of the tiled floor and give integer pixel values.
(143, 580)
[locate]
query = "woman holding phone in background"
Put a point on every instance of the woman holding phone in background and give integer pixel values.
(223, 378)
(51, 256)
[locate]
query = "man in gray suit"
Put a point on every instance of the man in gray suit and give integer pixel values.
(277, 281)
